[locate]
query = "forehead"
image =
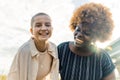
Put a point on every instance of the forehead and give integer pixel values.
(42, 18)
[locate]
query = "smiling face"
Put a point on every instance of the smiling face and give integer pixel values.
(82, 36)
(41, 29)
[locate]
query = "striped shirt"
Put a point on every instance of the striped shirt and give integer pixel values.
(74, 67)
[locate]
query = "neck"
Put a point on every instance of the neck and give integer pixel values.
(82, 50)
(41, 45)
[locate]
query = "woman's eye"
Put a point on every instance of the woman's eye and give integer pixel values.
(87, 33)
(78, 30)
(48, 25)
(38, 25)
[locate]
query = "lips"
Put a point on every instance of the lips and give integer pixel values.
(44, 33)
(79, 41)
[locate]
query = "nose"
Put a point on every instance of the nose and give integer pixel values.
(43, 27)
(79, 34)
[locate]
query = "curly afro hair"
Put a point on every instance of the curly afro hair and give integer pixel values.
(96, 15)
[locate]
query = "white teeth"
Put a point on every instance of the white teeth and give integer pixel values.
(43, 33)
(47, 33)
(78, 40)
(40, 33)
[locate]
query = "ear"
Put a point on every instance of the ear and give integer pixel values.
(31, 30)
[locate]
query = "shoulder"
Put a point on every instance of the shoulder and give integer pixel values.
(20, 54)
(104, 54)
(106, 58)
(52, 44)
(107, 63)
(63, 44)
(63, 48)
(24, 47)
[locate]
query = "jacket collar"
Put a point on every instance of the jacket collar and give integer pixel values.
(52, 50)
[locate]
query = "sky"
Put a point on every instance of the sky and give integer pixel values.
(15, 18)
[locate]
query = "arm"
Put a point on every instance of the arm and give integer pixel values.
(108, 67)
(110, 76)
(14, 69)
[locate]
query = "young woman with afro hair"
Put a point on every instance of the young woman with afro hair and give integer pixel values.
(81, 59)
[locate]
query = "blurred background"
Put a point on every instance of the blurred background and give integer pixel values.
(15, 18)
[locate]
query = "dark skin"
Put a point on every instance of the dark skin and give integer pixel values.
(79, 51)
(82, 44)
(82, 41)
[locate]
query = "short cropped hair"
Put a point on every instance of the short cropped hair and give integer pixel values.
(38, 14)
(96, 15)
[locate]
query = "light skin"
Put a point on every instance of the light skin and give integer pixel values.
(41, 31)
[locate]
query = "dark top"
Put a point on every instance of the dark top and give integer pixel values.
(75, 67)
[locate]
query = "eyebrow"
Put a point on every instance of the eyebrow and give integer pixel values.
(41, 22)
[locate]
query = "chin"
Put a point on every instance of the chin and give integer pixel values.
(43, 39)
(77, 44)
(81, 44)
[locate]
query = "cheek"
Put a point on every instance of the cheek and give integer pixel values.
(36, 29)
(50, 30)
(50, 33)
(75, 33)
(34, 32)
(88, 38)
